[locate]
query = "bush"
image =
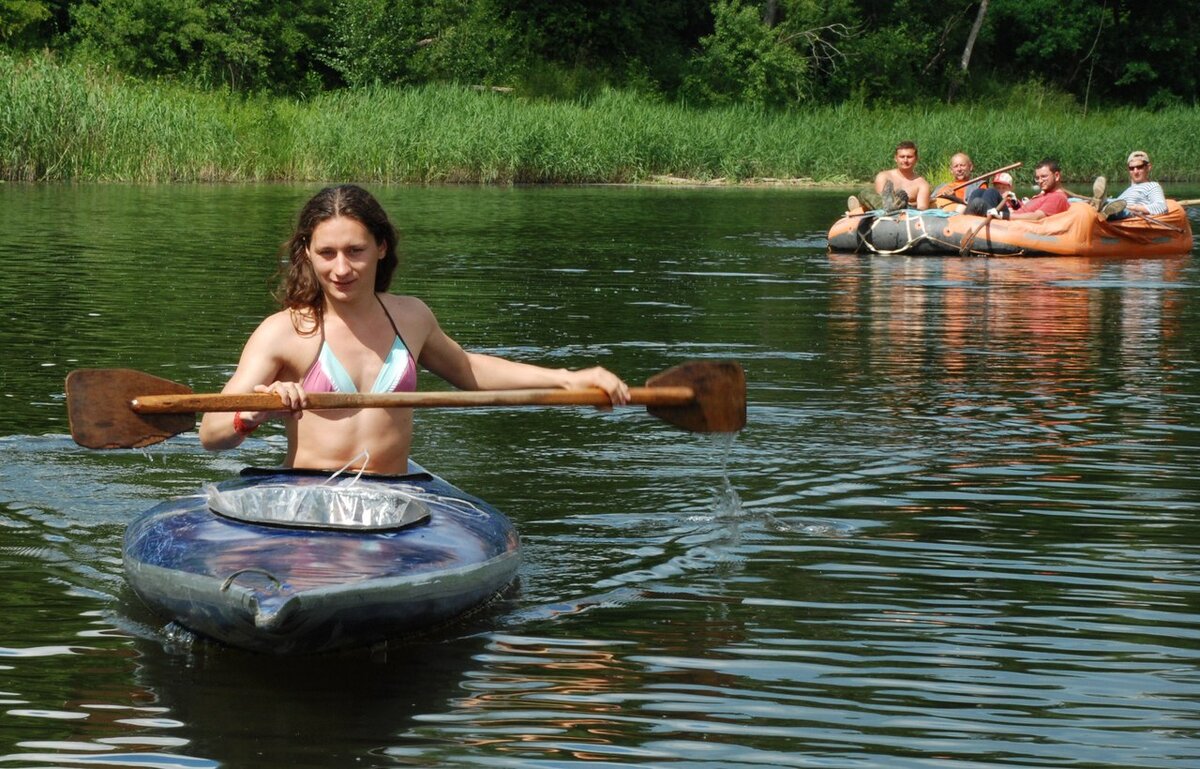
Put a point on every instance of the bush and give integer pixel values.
(744, 61)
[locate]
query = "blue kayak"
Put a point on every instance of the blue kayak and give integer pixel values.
(380, 557)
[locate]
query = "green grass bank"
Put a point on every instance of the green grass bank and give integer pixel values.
(65, 122)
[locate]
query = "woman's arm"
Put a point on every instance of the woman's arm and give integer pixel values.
(476, 371)
(258, 370)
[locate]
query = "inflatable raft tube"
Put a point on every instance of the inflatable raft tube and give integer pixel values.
(1078, 231)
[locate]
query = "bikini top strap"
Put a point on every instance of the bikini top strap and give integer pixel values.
(316, 360)
(383, 307)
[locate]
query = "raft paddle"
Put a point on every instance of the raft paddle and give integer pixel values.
(123, 408)
(1152, 220)
(981, 177)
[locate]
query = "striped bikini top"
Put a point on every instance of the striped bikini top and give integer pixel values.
(328, 375)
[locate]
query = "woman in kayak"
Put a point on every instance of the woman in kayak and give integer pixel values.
(341, 331)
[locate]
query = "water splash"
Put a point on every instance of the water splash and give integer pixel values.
(726, 501)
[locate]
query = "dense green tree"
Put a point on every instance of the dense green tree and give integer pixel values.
(640, 43)
(409, 41)
(18, 16)
(1134, 52)
(902, 51)
(1151, 56)
(777, 53)
(745, 60)
(243, 44)
(372, 41)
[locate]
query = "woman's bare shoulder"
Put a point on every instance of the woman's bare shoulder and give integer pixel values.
(289, 323)
(407, 309)
(404, 303)
(284, 326)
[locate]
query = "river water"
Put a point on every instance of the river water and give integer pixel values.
(961, 529)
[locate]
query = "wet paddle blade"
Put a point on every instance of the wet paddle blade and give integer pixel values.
(98, 405)
(720, 396)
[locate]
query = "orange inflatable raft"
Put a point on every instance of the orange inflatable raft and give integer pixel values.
(1078, 231)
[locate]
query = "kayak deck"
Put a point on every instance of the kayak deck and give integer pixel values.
(290, 590)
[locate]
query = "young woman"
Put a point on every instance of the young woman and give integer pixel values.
(339, 330)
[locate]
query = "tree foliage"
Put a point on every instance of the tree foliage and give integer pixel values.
(746, 61)
(242, 44)
(772, 53)
(19, 16)
(406, 43)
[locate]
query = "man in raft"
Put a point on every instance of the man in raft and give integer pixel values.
(961, 169)
(899, 187)
(995, 199)
(1050, 201)
(1142, 196)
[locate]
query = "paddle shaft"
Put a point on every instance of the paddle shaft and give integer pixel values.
(969, 241)
(981, 177)
(187, 403)
(1152, 220)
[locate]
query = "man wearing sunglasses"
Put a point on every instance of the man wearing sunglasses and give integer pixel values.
(1142, 196)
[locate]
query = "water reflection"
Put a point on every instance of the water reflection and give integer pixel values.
(958, 530)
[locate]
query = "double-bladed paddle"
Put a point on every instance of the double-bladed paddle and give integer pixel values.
(123, 408)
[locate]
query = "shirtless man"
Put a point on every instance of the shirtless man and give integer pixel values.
(903, 179)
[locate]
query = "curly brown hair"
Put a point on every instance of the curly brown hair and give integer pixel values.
(299, 290)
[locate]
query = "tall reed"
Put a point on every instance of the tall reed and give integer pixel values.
(64, 121)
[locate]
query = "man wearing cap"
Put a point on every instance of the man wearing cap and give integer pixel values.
(1003, 184)
(994, 200)
(1142, 196)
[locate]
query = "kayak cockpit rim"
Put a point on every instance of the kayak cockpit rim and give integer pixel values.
(363, 503)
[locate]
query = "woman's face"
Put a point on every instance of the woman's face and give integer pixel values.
(344, 256)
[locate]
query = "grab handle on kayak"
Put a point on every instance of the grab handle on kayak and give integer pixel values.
(228, 583)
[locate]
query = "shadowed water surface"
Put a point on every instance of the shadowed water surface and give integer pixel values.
(960, 529)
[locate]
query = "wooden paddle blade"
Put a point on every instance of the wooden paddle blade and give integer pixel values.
(720, 396)
(98, 405)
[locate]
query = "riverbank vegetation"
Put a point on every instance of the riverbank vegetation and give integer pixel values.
(77, 123)
(498, 91)
(770, 53)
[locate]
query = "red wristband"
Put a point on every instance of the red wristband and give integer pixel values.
(240, 427)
